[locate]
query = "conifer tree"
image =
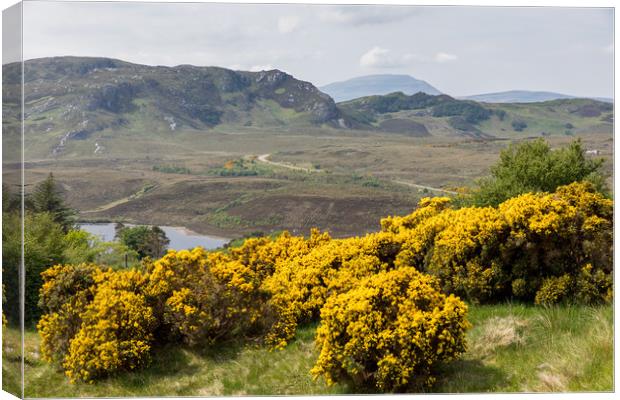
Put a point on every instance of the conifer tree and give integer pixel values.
(48, 198)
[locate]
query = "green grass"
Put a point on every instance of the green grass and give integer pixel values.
(11, 361)
(231, 369)
(512, 348)
(516, 348)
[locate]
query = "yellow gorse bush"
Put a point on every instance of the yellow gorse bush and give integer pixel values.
(386, 300)
(116, 335)
(66, 291)
(389, 331)
(203, 296)
(300, 287)
(490, 254)
(97, 322)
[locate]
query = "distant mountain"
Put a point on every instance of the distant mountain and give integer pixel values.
(376, 85)
(524, 96)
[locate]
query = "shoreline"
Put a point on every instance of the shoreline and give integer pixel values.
(186, 231)
(190, 232)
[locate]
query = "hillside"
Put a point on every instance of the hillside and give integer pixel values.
(524, 96)
(75, 98)
(376, 85)
(427, 115)
(80, 107)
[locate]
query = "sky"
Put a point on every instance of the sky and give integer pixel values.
(459, 50)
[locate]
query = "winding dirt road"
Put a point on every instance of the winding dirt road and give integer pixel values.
(429, 188)
(265, 158)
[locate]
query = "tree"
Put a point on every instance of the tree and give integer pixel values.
(534, 167)
(47, 198)
(11, 202)
(44, 246)
(518, 125)
(501, 114)
(146, 241)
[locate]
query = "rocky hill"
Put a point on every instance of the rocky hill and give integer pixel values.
(77, 106)
(73, 98)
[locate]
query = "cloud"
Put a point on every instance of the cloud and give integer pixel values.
(374, 57)
(444, 57)
(234, 35)
(258, 68)
(288, 23)
(367, 15)
(378, 57)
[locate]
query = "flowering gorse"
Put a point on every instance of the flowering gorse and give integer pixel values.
(389, 331)
(386, 301)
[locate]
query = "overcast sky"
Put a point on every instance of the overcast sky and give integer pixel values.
(459, 50)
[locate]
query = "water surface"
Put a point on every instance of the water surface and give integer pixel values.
(180, 238)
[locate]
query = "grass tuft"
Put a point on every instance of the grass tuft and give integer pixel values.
(501, 332)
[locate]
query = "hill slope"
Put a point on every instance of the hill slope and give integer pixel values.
(422, 115)
(376, 85)
(75, 98)
(80, 107)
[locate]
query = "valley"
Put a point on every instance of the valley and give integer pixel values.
(343, 184)
(233, 153)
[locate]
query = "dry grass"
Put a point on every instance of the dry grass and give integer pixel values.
(549, 380)
(501, 332)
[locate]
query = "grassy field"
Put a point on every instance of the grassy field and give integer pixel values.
(512, 348)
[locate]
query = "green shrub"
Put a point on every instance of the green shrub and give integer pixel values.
(172, 169)
(471, 112)
(534, 167)
(501, 114)
(518, 125)
(44, 246)
(147, 241)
